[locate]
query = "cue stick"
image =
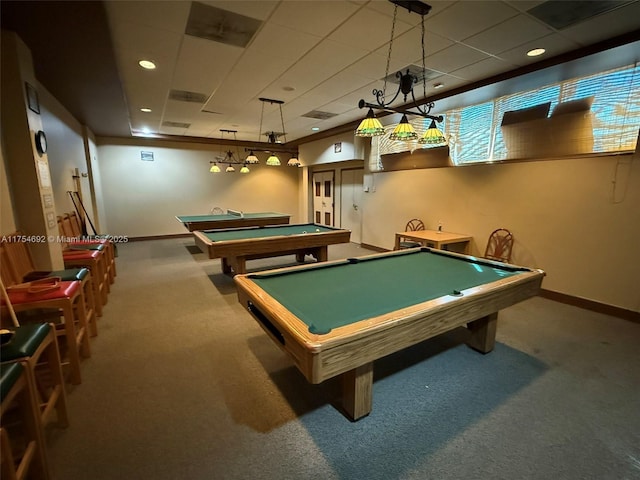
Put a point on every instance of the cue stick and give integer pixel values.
(80, 218)
(12, 312)
(95, 232)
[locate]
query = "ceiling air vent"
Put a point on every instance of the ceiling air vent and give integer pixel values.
(185, 96)
(563, 14)
(319, 115)
(176, 124)
(416, 71)
(218, 25)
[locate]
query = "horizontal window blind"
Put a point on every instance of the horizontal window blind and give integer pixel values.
(476, 133)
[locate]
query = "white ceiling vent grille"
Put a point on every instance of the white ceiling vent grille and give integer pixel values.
(319, 115)
(218, 25)
(561, 15)
(416, 71)
(185, 96)
(175, 124)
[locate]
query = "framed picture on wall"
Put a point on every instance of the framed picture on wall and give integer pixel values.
(32, 98)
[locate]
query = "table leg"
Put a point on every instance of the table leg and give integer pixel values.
(396, 246)
(483, 333)
(300, 257)
(357, 391)
(226, 268)
(322, 254)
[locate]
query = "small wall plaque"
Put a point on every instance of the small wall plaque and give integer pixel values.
(146, 156)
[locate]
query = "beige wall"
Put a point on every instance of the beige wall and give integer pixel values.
(578, 219)
(142, 198)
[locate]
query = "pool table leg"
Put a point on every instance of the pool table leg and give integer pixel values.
(357, 391)
(226, 268)
(483, 333)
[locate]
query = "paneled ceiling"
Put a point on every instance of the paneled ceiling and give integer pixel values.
(215, 59)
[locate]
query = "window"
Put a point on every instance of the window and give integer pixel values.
(594, 114)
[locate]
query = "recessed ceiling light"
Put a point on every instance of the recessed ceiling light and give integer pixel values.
(145, 110)
(438, 85)
(315, 129)
(148, 64)
(535, 52)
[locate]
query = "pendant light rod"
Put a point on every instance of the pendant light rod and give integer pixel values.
(403, 110)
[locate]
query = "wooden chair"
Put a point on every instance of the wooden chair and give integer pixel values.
(72, 227)
(18, 258)
(35, 346)
(412, 225)
(23, 450)
(66, 304)
(76, 243)
(499, 245)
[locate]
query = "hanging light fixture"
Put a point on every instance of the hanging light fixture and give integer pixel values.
(244, 169)
(432, 137)
(293, 161)
(229, 158)
(404, 131)
(251, 159)
(371, 126)
(273, 160)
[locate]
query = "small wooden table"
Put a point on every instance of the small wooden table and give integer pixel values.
(435, 239)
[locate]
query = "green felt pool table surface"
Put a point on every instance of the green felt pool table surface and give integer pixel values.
(227, 220)
(262, 232)
(360, 289)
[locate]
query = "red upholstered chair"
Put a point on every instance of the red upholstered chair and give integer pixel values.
(17, 258)
(65, 303)
(70, 225)
(499, 245)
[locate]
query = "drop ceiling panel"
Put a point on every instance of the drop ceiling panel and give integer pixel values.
(554, 44)
(168, 16)
(321, 63)
(454, 58)
(465, 19)
(601, 27)
(483, 69)
(314, 18)
(202, 65)
(283, 42)
(258, 9)
(368, 30)
(519, 30)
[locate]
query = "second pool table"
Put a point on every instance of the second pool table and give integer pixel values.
(235, 246)
(336, 318)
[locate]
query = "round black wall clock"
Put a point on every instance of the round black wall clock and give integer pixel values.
(41, 142)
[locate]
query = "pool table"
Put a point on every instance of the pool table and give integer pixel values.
(338, 317)
(232, 220)
(235, 246)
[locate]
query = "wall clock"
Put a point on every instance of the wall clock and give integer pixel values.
(41, 142)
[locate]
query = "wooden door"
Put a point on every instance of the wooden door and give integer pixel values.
(323, 198)
(351, 202)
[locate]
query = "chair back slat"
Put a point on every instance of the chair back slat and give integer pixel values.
(499, 245)
(414, 224)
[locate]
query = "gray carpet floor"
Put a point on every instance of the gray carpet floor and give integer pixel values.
(184, 384)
